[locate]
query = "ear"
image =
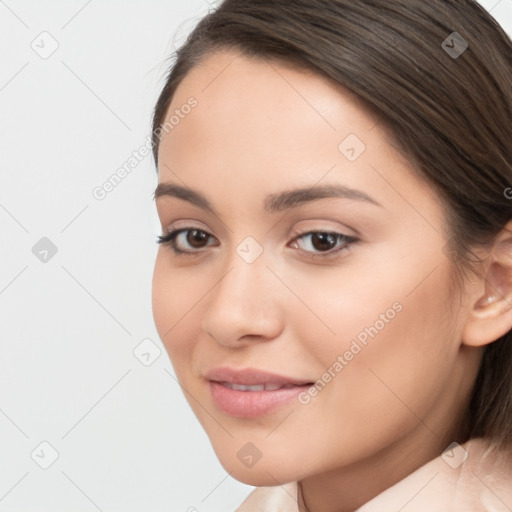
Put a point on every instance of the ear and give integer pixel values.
(491, 312)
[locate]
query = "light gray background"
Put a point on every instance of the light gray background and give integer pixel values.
(125, 436)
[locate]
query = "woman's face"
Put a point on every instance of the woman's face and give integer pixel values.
(312, 252)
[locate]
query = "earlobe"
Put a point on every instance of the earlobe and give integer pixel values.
(491, 315)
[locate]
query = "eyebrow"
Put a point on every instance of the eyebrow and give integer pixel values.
(273, 202)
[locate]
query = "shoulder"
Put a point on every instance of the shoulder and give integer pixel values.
(271, 499)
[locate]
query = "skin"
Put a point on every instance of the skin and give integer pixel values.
(261, 128)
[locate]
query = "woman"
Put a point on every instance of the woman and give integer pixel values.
(334, 284)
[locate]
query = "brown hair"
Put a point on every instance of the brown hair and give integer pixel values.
(449, 114)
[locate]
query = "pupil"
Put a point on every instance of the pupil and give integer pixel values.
(196, 238)
(323, 241)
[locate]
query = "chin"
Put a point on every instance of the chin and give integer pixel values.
(262, 474)
(260, 479)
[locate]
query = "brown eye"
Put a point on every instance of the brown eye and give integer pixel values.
(197, 238)
(187, 240)
(323, 244)
(323, 241)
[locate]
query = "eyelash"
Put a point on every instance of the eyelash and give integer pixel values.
(169, 239)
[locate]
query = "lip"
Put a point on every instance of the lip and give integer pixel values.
(252, 404)
(251, 376)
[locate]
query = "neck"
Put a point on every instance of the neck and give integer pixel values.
(347, 489)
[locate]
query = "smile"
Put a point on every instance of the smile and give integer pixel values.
(253, 400)
(256, 387)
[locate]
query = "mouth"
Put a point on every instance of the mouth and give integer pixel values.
(257, 387)
(252, 377)
(250, 393)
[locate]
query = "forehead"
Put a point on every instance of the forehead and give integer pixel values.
(263, 108)
(260, 126)
(230, 79)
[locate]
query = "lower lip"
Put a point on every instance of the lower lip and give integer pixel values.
(251, 404)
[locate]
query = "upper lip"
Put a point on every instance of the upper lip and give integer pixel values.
(251, 376)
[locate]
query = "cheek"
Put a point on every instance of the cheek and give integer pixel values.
(392, 353)
(174, 304)
(372, 295)
(396, 348)
(385, 321)
(336, 306)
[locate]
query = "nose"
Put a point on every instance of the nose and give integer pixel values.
(245, 306)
